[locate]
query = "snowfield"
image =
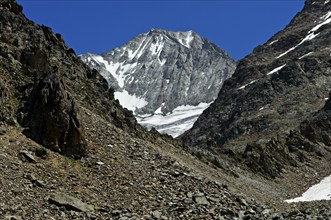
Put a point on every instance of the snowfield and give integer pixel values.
(176, 123)
(319, 191)
(130, 102)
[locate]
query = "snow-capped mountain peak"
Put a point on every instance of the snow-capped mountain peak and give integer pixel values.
(161, 70)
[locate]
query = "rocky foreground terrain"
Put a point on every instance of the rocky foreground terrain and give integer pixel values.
(129, 178)
(68, 150)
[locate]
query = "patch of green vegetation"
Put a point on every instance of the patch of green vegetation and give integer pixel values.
(9, 108)
(71, 163)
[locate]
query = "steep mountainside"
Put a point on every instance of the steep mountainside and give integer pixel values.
(43, 85)
(274, 89)
(160, 72)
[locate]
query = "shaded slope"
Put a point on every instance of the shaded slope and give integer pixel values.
(274, 89)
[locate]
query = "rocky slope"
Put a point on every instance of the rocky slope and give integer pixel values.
(114, 169)
(160, 71)
(273, 89)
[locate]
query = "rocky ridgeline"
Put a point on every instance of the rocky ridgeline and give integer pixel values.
(273, 90)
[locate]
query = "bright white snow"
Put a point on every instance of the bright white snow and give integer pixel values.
(189, 38)
(163, 62)
(276, 69)
(117, 70)
(130, 102)
(326, 16)
(141, 48)
(311, 34)
(186, 42)
(320, 191)
(260, 109)
(306, 55)
(321, 24)
(158, 111)
(286, 52)
(272, 42)
(181, 119)
(242, 87)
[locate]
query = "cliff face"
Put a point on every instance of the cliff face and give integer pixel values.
(43, 82)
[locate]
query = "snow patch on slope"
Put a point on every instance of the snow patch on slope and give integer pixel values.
(130, 102)
(306, 55)
(272, 42)
(276, 69)
(175, 123)
(186, 42)
(320, 191)
(311, 34)
(244, 86)
(117, 70)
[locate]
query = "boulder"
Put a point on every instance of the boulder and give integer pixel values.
(70, 202)
(52, 118)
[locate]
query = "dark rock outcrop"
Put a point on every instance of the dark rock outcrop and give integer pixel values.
(53, 118)
(314, 133)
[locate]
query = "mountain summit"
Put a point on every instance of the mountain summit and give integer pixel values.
(163, 72)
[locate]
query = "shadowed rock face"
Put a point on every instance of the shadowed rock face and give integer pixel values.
(314, 133)
(43, 84)
(263, 113)
(274, 89)
(310, 141)
(53, 118)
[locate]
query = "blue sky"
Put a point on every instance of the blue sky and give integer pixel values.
(96, 26)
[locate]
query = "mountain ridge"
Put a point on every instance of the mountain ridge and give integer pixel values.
(273, 90)
(271, 74)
